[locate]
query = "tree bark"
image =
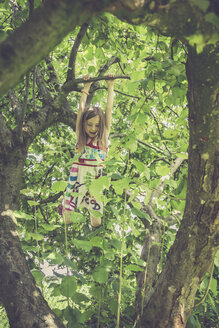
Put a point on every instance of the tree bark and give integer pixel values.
(23, 301)
(197, 239)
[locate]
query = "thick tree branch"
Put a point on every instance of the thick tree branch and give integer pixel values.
(59, 111)
(50, 22)
(34, 39)
(74, 51)
(196, 241)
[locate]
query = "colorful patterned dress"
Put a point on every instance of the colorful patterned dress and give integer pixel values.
(86, 167)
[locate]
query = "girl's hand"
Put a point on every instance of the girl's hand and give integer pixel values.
(110, 82)
(87, 84)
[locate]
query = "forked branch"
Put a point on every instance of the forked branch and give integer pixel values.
(74, 51)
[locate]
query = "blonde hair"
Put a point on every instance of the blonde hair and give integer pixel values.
(91, 112)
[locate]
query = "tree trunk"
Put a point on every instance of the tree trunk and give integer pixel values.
(22, 300)
(195, 246)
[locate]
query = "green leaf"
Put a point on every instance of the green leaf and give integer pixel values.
(95, 291)
(30, 248)
(170, 134)
(163, 170)
(33, 203)
(132, 144)
(68, 286)
(80, 298)
(83, 244)
(97, 242)
(113, 305)
(38, 276)
(27, 192)
(55, 258)
(137, 75)
(116, 243)
(216, 260)
(133, 267)
(49, 227)
(182, 155)
(95, 188)
(139, 165)
(212, 18)
(213, 286)
(59, 186)
(22, 215)
(137, 205)
(34, 235)
(202, 4)
(100, 274)
(77, 217)
(79, 277)
(96, 214)
(141, 214)
(69, 263)
(119, 185)
(193, 322)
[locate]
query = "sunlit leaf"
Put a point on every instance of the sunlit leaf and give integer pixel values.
(59, 186)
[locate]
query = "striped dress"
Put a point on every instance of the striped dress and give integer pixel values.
(85, 168)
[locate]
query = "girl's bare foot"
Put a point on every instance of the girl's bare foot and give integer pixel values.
(95, 222)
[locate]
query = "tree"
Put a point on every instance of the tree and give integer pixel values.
(173, 305)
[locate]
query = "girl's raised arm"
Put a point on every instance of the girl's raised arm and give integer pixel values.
(85, 93)
(109, 106)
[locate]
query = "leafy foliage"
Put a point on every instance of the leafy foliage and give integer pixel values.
(77, 267)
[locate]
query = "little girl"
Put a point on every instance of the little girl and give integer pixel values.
(92, 131)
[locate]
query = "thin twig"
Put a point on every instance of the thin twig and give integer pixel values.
(156, 121)
(117, 91)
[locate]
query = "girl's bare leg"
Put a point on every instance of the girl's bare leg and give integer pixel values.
(66, 216)
(95, 222)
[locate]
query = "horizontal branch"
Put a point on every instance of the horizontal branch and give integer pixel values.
(72, 85)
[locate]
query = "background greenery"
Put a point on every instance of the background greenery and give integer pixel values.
(78, 268)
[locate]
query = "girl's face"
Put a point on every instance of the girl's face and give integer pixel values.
(92, 126)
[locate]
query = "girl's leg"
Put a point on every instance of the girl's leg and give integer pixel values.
(66, 216)
(95, 222)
